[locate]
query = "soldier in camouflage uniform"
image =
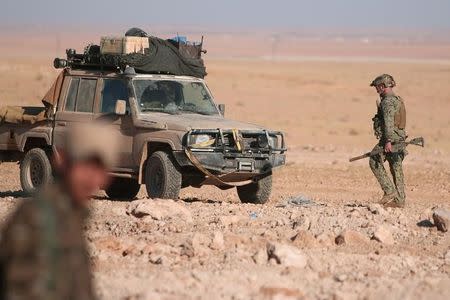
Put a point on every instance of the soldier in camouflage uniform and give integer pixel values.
(389, 126)
(43, 254)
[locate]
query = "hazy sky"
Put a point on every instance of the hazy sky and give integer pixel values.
(292, 14)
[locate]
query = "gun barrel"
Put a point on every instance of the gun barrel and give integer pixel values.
(359, 157)
(396, 147)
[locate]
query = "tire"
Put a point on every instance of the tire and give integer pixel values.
(123, 189)
(35, 170)
(257, 192)
(162, 177)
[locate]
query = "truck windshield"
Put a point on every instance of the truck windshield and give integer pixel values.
(173, 97)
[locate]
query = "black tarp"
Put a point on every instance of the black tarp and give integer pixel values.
(164, 57)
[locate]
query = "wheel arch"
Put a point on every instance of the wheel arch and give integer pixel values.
(148, 149)
(35, 140)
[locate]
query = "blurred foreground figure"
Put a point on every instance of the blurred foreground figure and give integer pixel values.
(389, 126)
(43, 253)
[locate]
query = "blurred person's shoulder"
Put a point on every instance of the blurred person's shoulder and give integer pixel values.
(34, 216)
(21, 228)
(31, 211)
(25, 212)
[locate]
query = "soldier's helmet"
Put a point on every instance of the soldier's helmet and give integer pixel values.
(385, 79)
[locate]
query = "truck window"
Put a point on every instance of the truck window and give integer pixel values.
(196, 94)
(81, 95)
(113, 90)
(86, 94)
(72, 95)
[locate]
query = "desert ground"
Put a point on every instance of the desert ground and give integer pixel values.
(322, 235)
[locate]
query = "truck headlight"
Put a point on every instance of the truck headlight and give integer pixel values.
(202, 140)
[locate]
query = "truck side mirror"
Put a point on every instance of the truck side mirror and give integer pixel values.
(121, 107)
(222, 109)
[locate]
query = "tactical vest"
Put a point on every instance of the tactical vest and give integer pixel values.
(400, 116)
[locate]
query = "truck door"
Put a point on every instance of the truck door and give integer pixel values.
(76, 105)
(111, 90)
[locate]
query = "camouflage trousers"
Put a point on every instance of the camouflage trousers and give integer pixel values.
(395, 164)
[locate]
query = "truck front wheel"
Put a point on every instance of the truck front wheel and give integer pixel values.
(257, 192)
(123, 189)
(162, 177)
(35, 170)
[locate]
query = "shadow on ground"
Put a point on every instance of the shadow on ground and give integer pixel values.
(14, 194)
(425, 223)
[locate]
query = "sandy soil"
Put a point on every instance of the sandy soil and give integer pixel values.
(209, 246)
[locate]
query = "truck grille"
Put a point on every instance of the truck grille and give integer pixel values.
(250, 142)
(253, 141)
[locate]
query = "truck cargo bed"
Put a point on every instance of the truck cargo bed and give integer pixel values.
(13, 137)
(22, 114)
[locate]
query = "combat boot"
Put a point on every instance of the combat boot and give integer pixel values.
(388, 198)
(394, 203)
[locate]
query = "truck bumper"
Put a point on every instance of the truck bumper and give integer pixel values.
(219, 163)
(232, 155)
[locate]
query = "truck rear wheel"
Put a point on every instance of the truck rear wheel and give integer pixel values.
(123, 189)
(35, 170)
(162, 177)
(257, 192)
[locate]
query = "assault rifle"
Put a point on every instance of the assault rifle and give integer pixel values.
(419, 141)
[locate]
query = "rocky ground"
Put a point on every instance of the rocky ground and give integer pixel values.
(300, 246)
(321, 236)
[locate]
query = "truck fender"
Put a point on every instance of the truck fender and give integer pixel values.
(146, 150)
(23, 139)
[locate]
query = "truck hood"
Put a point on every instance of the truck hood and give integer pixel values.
(186, 122)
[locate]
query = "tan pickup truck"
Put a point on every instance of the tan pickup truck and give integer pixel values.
(173, 135)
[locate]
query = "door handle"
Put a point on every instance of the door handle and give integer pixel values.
(61, 123)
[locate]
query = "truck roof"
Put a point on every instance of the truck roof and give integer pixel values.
(108, 73)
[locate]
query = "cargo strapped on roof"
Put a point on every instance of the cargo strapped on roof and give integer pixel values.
(158, 56)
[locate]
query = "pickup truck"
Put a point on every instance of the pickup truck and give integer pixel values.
(172, 133)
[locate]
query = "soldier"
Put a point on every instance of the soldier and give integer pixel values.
(389, 126)
(43, 254)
